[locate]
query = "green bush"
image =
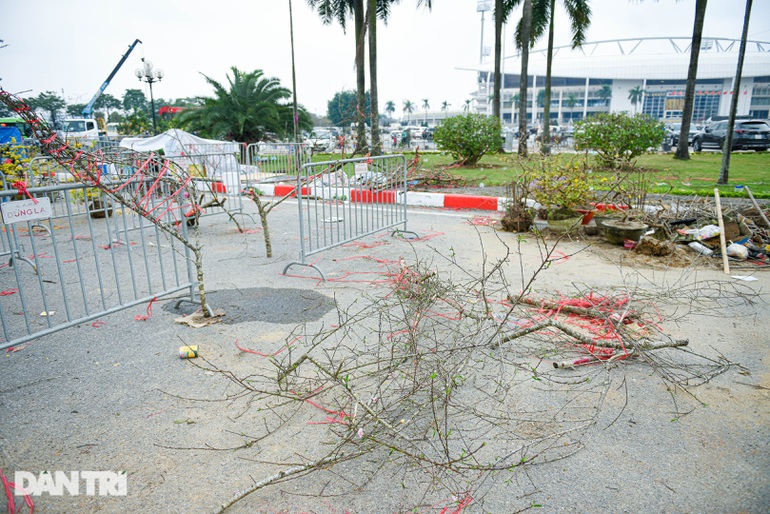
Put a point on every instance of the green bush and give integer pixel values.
(618, 138)
(467, 138)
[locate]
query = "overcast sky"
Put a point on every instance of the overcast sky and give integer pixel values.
(70, 47)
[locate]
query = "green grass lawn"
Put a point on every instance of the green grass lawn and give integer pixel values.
(696, 176)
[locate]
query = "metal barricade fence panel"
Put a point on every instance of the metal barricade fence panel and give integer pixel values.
(218, 180)
(263, 161)
(341, 201)
(72, 269)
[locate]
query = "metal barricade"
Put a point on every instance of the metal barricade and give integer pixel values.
(341, 201)
(263, 161)
(218, 181)
(73, 278)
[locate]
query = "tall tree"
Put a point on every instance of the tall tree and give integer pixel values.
(425, 106)
(571, 103)
(390, 107)
(524, 41)
(75, 110)
(682, 150)
(373, 89)
(543, 14)
(108, 103)
(408, 109)
(250, 108)
(330, 10)
(605, 93)
(49, 102)
(501, 15)
(635, 95)
(341, 110)
(134, 100)
(466, 106)
(339, 10)
(727, 149)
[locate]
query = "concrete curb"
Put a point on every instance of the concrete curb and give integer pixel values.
(412, 198)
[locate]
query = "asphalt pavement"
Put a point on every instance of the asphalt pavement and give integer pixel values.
(115, 395)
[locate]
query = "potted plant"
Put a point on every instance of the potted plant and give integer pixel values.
(561, 187)
(517, 217)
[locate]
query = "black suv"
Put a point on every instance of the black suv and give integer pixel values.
(747, 135)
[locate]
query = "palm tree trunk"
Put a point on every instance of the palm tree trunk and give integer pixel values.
(682, 151)
(526, 27)
(360, 28)
(293, 77)
(723, 175)
(546, 145)
(375, 112)
(498, 58)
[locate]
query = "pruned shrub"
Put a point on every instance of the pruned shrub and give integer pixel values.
(467, 138)
(617, 138)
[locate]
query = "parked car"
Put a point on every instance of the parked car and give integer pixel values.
(322, 140)
(747, 135)
(675, 128)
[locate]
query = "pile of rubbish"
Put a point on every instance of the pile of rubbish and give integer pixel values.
(698, 226)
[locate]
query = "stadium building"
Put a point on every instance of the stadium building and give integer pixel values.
(646, 75)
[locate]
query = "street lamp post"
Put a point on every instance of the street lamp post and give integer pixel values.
(150, 75)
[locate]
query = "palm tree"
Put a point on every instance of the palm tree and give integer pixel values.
(390, 107)
(682, 150)
(338, 10)
(408, 109)
(248, 110)
(543, 12)
(605, 93)
(635, 95)
(466, 106)
(330, 10)
(501, 14)
(728, 144)
(571, 103)
(523, 40)
(373, 92)
(514, 104)
(426, 106)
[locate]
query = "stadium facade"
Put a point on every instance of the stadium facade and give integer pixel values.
(645, 75)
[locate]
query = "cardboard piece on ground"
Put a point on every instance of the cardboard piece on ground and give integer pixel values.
(197, 320)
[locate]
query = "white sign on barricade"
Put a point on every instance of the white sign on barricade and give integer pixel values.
(26, 210)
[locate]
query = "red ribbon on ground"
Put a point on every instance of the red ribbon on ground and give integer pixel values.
(140, 317)
(9, 488)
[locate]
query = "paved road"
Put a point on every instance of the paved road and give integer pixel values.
(115, 396)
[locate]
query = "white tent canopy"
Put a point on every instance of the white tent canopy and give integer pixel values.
(186, 150)
(175, 142)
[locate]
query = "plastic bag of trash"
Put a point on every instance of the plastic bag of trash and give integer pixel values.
(706, 232)
(737, 251)
(704, 250)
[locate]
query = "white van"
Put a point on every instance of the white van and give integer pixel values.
(80, 128)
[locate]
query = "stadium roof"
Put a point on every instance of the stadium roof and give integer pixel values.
(655, 58)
